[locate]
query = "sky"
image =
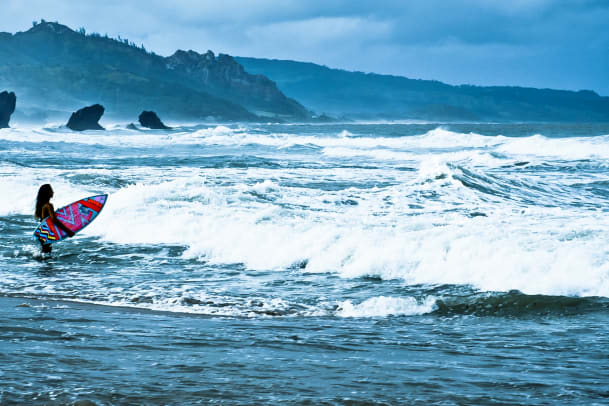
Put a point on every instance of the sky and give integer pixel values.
(560, 44)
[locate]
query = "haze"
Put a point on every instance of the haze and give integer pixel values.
(538, 43)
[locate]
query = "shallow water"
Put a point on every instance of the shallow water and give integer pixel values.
(342, 263)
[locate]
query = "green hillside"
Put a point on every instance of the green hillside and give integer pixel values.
(53, 67)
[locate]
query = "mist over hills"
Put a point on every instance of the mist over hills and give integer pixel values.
(368, 95)
(52, 67)
(55, 70)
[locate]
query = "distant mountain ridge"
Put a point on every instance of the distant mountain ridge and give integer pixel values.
(372, 96)
(52, 66)
(54, 70)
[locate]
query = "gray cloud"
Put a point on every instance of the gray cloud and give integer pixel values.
(543, 43)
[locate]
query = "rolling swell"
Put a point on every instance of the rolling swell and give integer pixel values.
(508, 189)
(268, 196)
(338, 264)
(529, 191)
(517, 304)
(511, 304)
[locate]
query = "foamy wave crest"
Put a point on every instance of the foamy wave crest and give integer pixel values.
(377, 154)
(115, 136)
(492, 254)
(19, 187)
(576, 148)
(453, 217)
(267, 226)
(441, 138)
(435, 139)
(382, 306)
(423, 159)
(344, 143)
(222, 307)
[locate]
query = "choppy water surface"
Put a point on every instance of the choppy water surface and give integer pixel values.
(338, 264)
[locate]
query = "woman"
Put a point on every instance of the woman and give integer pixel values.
(44, 209)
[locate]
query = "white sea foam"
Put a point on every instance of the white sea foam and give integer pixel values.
(18, 191)
(437, 140)
(383, 306)
(415, 228)
(532, 251)
(377, 154)
(575, 148)
(549, 251)
(253, 307)
(222, 135)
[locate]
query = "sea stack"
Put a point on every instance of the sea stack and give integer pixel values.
(8, 101)
(149, 119)
(86, 118)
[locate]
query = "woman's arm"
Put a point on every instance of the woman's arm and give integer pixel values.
(51, 213)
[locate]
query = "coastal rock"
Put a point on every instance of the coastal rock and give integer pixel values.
(7, 107)
(149, 119)
(223, 76)
(86, 118)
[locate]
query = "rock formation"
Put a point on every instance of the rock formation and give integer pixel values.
(86, 118)
(7, 107)
(151, 120)
(223, 76)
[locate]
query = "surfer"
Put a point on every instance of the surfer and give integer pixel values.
(44, 209)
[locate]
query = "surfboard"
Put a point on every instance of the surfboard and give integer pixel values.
(75, 216)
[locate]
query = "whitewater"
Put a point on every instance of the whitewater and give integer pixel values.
(409, 257)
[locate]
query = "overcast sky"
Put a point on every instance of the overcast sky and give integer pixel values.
(561, 44)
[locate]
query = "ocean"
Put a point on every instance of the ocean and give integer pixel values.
(308, 264)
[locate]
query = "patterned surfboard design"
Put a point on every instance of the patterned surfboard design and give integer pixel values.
(75, 216)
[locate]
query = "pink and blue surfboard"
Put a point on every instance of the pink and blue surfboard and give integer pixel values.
(75, 216)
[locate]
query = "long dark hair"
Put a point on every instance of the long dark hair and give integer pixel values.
(44, 196)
